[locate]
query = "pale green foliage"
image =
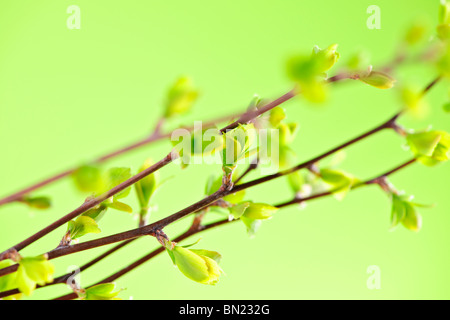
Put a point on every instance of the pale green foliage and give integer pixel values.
(215, 182)
(237, 145)
(8, 282)
(88, 178)
(40, 203)
(412, 99)
(404, 212)
(309, 71)
(251, 214)
(103, 291)
(32, 271)
(416, 32)
(430, 147)
(147, 186)
(340, 181)
(378, 80)
(82, 226)
(198, 265)
(180, 97)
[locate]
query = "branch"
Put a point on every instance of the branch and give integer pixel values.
(151, 229)
(156, 135)
(154, 228)
(191, 231)
(168, 159)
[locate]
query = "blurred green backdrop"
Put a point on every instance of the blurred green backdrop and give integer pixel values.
(67, 96)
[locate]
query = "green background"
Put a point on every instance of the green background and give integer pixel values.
(67, 96)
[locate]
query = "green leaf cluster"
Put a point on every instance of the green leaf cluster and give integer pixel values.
(32, 271)
(103, 291)
(180, 97)
(252, 214)
(430, 147)
(309, 71)
(199, 265)
(404, 212)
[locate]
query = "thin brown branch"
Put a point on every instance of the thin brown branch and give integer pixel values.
(192, 231)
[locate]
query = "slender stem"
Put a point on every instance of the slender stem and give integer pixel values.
(385, 125)
(157, 135)
(361, 184)
(65, 277)
(191, 232)
(92, 203)
(154, 227)
(159, 225)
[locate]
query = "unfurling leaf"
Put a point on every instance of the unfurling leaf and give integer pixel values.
(214, 183)
(103, 291)
(237, 145)
(309, 72)
(120, 206)
(238, 210)
(325, 58)
(277, 115)
(404, 212)
(96, 213)
(288, 132)
(198, 265)
(82, 226)
(341, 181)
(416, 32)
(252, 225)
(146, 186)
(116, 176)
(8, 282)
(296, 181)
(378, 80)
(180, 98)
(32, 271)
(37, 202)
(259, 211)
(412, 99)
(430, 147)
(88, 178)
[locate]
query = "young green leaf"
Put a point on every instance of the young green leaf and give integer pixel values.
(116, 176)
(309, 72)
(252, 225)
(103, 291)
(89, 178)
(82, 226)
(277, 115)
(430, 147)
(180, 97)
(198, 265)
(147, 186)
(8, 282)
(259, 211)
(340, 181)
(120, 206)
(96, 213)
(238, 210)
(40, 203)
(404, 212)
(32, 271)
(416, 32)
(412, 99)
(378, 80)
